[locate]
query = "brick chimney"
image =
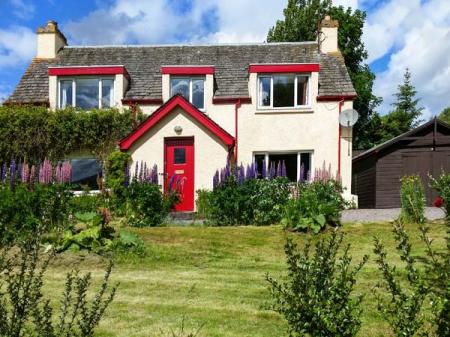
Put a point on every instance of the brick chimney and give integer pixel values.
(49, 40)
(328, 37)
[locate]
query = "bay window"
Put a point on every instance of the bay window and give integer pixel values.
(283, 91)
(86, 93)
(298, 164)
(191, 88)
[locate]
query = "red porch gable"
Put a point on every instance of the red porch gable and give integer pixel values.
(164, 110)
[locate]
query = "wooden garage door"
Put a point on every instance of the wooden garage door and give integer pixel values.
(424, 163)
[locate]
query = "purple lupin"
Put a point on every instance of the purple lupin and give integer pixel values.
(216, 179)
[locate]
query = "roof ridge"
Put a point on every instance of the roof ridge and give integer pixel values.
(192, 45)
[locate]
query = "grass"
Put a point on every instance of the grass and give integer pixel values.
(215, 277)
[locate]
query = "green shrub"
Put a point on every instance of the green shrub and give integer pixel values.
(128, 242)
(253, 201)
(318, 203)
(317, 297)
(401, 304)
(442, 186)
(412, 199)
(86, 202)
(115, 178)
(34, 133)
(23, 210)
(24, 311)
(148, 205)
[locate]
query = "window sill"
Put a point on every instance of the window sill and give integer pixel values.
(285, 111)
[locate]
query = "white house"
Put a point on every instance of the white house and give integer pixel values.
(267, 102)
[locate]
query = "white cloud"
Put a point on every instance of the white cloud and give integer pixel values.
(22, 9)
(17, 46)
(418, 34)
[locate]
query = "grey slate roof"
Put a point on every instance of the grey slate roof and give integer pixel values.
(143, 63)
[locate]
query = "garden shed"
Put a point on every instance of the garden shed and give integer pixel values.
(377, 172)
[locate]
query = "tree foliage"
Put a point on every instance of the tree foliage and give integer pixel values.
(405, 115)
(445, 115)
(301, 22)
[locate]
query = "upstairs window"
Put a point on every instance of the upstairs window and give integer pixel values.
(283, 91)
(86, 93)
(191, 88)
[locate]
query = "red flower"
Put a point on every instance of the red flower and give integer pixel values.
(439, 202)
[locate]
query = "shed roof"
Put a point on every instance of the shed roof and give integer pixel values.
(432, 122)
(143, 63)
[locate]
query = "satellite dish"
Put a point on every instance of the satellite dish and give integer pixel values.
(348, 117)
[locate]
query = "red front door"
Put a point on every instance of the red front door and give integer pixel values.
(179, 170)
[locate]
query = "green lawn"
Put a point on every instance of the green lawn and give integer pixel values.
(215, 277)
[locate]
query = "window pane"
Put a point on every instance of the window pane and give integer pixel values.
(198, 93)
(260, 163)
(305, 166)
(180, 86)
(87, 93)
(85, 172)
(179, 155)
(66, 94)
(290, 162)
(107, 93)
(283, 91)
(302, 90)
(264, 91)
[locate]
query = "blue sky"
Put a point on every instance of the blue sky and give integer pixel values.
(398, 34)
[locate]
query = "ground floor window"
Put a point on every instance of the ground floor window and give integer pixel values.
(298, 164)
(85, 172)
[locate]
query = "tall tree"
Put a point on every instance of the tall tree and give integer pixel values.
(405, 115)
(445, 115)
(301, 20)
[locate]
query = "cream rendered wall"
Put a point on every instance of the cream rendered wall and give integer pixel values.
(314, 129)
(209, 152)
(48, 45)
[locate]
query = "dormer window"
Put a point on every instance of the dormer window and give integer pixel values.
(191, 88)
(86, 92)
(283, 91)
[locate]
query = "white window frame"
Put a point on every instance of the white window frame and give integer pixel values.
(190, 79)
(74, 87)
(299, 153)
(295, 106)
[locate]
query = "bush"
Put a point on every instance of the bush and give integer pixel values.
(253, 201)
(317, 298)
(202, 203)
(23, 210)
(412, 199)
(318, 203)
(403, 307)
(148, 205)
(24, 311)
(442, 186)
(86, 202)
(116, 179)
(60, 132)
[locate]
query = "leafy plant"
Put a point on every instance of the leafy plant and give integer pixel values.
(91, 231)
(412, 198)
(442, 186)
(23, 210)
(128, 242)
(437, 265)
(25, 311)
(253, 201)
(148, 205)
(115, 180)
(202, 203)
(403, 307)
(317, 204)
(317, 298)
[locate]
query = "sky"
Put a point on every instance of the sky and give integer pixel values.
(398, 34)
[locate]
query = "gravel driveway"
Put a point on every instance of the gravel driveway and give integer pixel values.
(374, 215)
